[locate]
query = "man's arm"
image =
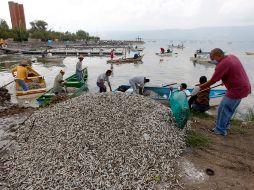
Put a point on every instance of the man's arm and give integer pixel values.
(109, 86)
(206, 85)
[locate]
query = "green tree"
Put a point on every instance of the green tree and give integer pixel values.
(38, 25)
(4, 29)
(81, 34)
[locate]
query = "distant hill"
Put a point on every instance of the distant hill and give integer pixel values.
(234, 33)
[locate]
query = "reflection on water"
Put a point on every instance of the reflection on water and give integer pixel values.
(161, 70)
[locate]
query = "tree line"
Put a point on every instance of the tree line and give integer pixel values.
(39, 30)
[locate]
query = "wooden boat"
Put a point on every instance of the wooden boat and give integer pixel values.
(126, 60)
(35, 82)
(71, 82)
(51, 59)
(249, 53)
(162, 94)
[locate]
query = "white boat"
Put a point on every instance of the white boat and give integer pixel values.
(203, 57)
(164, 54)
(249, 53)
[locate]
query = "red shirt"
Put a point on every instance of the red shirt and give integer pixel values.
(233, 75)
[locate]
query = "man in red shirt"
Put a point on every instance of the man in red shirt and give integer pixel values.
(230, 70)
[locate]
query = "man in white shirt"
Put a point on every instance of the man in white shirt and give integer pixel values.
(58, 87)
(79, 68)
(101, 81)
(138, 82)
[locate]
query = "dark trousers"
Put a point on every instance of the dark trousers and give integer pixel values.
(102, 87)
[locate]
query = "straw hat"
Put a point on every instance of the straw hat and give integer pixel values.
(81, 57)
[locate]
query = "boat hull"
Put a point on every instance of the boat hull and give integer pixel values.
(127, 60)
(71, 82)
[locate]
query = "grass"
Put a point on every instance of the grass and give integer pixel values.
(196, 139)
(249, 115)
(238, 130)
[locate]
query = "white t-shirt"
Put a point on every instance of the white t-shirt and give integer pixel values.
(103, 77)
(138, 80)
(195, 90)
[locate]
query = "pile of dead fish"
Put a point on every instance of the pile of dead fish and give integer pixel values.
(4, 95)
(97, 141)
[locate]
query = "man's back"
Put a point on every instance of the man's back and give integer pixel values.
(21, 72)
(233, 75)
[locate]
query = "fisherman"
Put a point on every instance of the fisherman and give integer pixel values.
(162, 50)
(199, 101)
(22, 74)
(112, 54)
(58, 87)
(230, 70)
(183, 87)
(136, 55)
(138, 83)
(79, 68)
(101, 81)
(169, 51)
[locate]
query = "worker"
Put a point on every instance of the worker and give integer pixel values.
(138, 83)
(22, 74)
(162, 50)
(79, 68)
(58, 87)
(101, 81)
(136, 55)
(183, 87)
(199, 100)
(112, 54)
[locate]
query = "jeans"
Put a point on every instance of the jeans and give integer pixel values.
(226, 110)
(79, 75)
(23, 84)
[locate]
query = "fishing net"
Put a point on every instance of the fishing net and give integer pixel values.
(180, 108)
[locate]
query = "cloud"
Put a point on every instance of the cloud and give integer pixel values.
(131, 15)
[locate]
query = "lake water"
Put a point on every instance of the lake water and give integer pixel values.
(160, 70)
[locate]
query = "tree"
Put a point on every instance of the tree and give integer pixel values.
(39, 25)
(3, 24)
(81, 34)
(4, 29)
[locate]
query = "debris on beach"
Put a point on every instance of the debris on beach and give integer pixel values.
(4, 95)
(97, 141)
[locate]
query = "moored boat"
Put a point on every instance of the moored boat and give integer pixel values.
(51, 59)
(162, 94)
(74, 88)
(249, 53)
(126, 60)
(35, 83)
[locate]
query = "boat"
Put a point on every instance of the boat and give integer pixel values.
(162, 94)
(51, 59)
(176, 46)
(74, 88)
(249, 53)
(35, 83)
(203, 57)
(126, 60)
(164, 54)
(137, 49)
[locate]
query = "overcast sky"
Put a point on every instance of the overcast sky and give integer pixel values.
(97, 16)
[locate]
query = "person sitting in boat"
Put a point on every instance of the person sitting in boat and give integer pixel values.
(101, 81)
(183, 87)
(79, 68)
(22, 74)
(199, 101)
(58, 87)
(136, 55)
(162, 50)
(169, 51)
(138, 83)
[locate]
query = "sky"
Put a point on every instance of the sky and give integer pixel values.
(98, 16)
